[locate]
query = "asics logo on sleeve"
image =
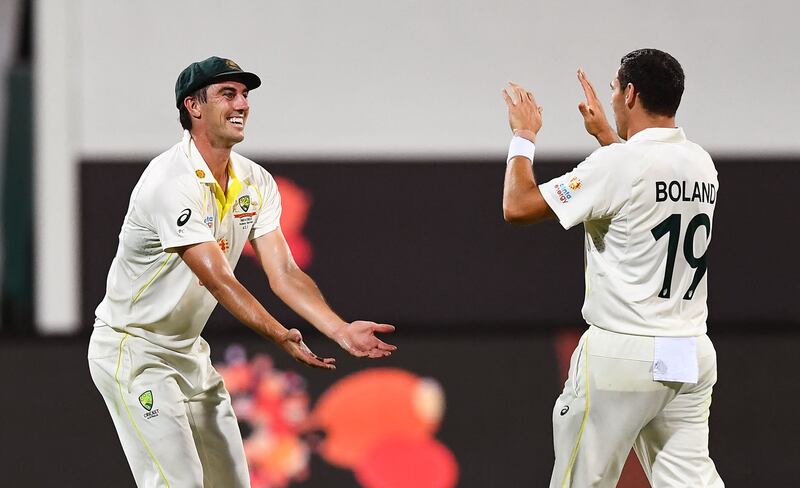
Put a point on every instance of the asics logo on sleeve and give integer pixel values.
(184, 217)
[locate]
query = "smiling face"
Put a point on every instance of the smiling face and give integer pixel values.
(223, 116)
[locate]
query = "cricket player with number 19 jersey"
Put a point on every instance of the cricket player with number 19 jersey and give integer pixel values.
(642, 374)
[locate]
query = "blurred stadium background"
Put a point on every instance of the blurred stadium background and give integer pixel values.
(384, 125)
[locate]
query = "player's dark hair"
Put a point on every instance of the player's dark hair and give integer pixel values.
(201, 94)
(657, 76)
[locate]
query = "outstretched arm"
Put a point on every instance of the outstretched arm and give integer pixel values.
(594, 117)
(212, 269)
(299, 291)
(522, 201)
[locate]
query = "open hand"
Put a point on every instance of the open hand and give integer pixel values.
(524, 115)
(594, 118)
(358, 338)
(292, 342)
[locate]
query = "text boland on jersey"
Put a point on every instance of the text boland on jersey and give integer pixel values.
(647, 207)
(150, 292)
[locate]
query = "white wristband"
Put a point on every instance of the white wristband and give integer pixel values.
(520, 146)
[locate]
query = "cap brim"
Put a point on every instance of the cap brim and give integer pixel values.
(250, 80)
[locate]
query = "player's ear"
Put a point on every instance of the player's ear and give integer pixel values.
(192, 106)
(630, 95)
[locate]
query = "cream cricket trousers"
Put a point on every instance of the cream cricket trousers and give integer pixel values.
(610, 403)
(172, 413)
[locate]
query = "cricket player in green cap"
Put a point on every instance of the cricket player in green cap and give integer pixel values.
(189, 217)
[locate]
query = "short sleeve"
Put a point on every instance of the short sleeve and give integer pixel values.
(597, 188)
(176, 213)
(269, 212)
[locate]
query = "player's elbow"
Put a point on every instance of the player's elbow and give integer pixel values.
(527, 208)
(285, 279)
(279, 286)
(526, 215)
(515, 214)
(516, 205)
(510, 215)
(219, 286)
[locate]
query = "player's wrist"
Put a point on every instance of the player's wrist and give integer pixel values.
(341, 337)
(606, 137)
(520, 146)
(335, 330)
(278, 335)
(528, 134)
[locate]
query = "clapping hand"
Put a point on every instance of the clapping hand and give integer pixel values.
(524, 115)
(594, 117)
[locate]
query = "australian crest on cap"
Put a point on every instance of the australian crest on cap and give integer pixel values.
(232, 65)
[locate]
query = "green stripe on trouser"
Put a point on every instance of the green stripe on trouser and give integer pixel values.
(585, 412)
(127, 410)
(176, 421)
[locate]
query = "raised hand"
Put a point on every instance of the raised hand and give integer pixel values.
(358, 338)
(594, 117)
(524, 115)
(292, 342)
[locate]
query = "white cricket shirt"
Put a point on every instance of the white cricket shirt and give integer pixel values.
(646, 206)
(150, 292)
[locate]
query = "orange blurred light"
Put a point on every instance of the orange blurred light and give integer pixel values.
(363, 410)
(408, 463)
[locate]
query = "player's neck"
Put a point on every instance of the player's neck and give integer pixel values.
(646, 120)
(215, 157)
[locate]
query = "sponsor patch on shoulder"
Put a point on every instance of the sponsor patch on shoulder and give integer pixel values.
(565, 191)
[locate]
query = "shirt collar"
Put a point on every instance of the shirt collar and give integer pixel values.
(239, 168)
(201, 169)
(196, 160)
(659, 134)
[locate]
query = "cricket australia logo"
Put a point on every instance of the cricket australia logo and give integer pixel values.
(244, 216)
(146, 400)
(244, 203)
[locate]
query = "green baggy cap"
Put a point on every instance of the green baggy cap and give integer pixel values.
(208, 71)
